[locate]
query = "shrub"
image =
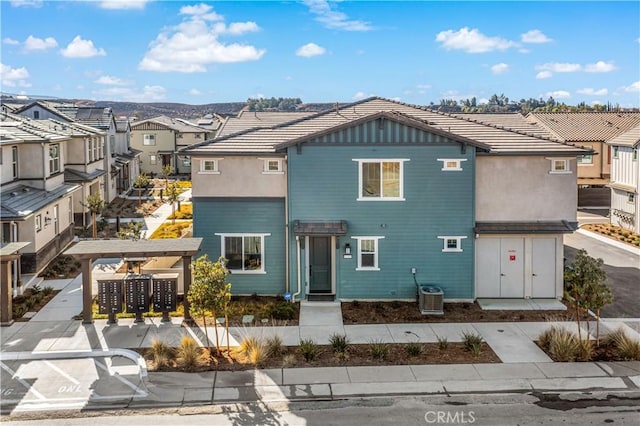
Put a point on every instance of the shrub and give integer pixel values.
(472, 341)
(585, 350)
(247, 344)
(414, 349)
(188, 354)
(288, 360)
(274, 346)
(161, 353)
(443, 343)
(339, 342)
(308, 349)
(282, 311)
(564, 346)
(378, 350)
(628, 348)
(47, 290)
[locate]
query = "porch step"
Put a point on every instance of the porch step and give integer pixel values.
(320, 314)
(320, 297)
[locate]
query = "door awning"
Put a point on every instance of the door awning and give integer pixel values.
(555, 227)
(337, 227)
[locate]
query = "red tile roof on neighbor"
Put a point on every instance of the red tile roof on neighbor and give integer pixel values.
(628, 138)
(585, 126)
(494, 138)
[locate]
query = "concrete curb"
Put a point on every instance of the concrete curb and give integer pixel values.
(609, 241)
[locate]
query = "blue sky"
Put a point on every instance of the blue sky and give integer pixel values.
(417, 52)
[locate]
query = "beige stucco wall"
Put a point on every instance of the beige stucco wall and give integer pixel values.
(240, 176)
(7, 166)
(600, 167)
(41, 238)
(520, 188)
(165, 141)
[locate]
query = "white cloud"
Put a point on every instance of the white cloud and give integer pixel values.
(593, 92)
(195, 92)
(35, 43)
(472, 41)
(535, 36)
(194, 43)
(333, 19)
(361, 95)
(544, 74)
(14, 77)
(26, 3)
(10, 41)
(310, 49)
(123, 4)
(600, 66)
(559, 67)
(146, 94)
(81, 48)
(597, 102)
(558, 94)
(112, 81)
(633, 87)
(500, 68)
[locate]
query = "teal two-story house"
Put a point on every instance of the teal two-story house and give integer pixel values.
(349, 203)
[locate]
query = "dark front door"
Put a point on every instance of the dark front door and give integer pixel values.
(320, 265)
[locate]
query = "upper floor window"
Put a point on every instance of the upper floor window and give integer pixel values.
(368, 253)
(635, 154)
(36, 115)
(149, 139)
(112, 144)
(54, 158)
(381, 180)
(209, 166)
(14, 162)
(616, 151)
(38, 222)
(452, 243)
(560, 166)
(273, 166)
(452, 164)
(585, 159)
(631, 197)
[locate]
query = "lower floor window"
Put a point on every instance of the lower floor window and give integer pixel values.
(244, 252)
(452, 243)
(368, 253)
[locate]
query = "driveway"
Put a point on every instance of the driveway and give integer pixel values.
(623, 273)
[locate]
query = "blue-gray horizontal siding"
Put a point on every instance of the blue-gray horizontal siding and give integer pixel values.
(323, 185)
(245, 215)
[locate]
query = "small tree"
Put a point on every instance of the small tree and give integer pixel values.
(94, 203)
(166, 171)
(209, 292)
(600, 297)
(141, 182)
(584, 281)
(173, 193)
(131, 231)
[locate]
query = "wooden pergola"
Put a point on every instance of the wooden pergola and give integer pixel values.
(87, 251)
(8, 253)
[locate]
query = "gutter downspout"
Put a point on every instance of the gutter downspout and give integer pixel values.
(297, 293)
(286, 230)
(44, 169)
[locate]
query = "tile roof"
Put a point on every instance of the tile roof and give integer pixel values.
(19, 202)
(629, 138)
(48, 106)
(253, 119)
(495, 138)
(122, 125)
(15, 128)
(98, 117)
(585, 126)
(176, 124)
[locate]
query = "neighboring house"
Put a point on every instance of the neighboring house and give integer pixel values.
(159, 139)
(97, 117)
(625, 180)
(36, 204)
(593, 130)
(211, 123)
(127, 159)
(252, 119)
(344, 203)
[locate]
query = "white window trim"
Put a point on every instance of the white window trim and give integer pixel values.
(458, 166)
(264, 257)
(38, 222)
(458, 239)
(145, 139)
(376, 266)
(215, 171)
(265, 166)
(567, 171)
(580, 163)
(360, 161)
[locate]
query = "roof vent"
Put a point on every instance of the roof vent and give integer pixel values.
(26, 189)
(14, 194)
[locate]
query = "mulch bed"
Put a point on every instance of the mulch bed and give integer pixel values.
(408, 312)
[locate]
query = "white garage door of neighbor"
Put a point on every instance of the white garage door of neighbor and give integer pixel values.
(543, 267)
(500, 267)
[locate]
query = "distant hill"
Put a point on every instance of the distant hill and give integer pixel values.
(189, 112)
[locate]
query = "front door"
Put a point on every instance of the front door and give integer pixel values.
(512, 267)
(543, 267)
(320, 265)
